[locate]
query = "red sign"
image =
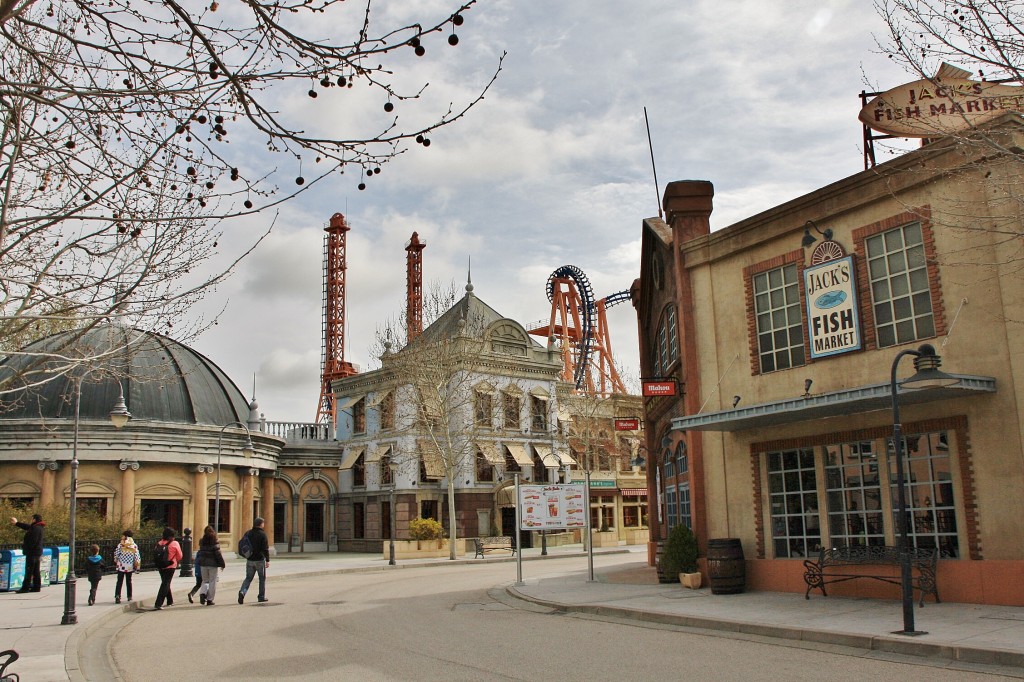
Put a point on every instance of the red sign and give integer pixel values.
(632, 424)
(653, 388)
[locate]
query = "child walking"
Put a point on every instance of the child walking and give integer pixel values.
(127, 561)
(94, 568)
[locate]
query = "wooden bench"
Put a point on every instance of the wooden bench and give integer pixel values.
(833, 566)
(497, 543)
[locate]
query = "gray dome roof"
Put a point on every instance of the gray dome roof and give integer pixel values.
(163, 380)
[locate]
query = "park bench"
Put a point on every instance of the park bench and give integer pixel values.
(497, 543)
(840, 564)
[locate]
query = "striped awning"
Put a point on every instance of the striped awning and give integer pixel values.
(378, 452)
(491, 452)
(433, 464)
(633, 491)
(519, 454)
(351, 455)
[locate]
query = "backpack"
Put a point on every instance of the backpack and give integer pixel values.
(161, 557)
(245, 547)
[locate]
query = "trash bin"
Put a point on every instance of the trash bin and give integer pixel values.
(59, 559)
(12, 570)
(44, 567)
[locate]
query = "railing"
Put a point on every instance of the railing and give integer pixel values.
(147, 547)
(298, 431)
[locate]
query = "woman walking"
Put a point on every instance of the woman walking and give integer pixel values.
(167, 568)
(126, 561)
(211, 560)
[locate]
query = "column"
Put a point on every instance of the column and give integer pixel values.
(246, 475)
(47, 489)
(200, 504)
(128, 469)
(267, 491)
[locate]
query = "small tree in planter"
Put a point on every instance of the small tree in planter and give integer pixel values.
(680, 556)
(425, 529)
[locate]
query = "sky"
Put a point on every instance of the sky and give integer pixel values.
(553, 167)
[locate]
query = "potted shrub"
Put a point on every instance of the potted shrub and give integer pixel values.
(423, 530)
(680, 556)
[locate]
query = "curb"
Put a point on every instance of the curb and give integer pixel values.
(880, 643)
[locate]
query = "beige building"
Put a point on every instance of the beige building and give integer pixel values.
(783, 348)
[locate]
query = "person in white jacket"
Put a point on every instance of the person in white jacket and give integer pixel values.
(127, 561)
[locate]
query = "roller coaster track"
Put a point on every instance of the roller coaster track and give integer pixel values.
(588, 316)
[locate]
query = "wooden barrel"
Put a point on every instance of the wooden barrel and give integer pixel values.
(662, 578)
(727, 570)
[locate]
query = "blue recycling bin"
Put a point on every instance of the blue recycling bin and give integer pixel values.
(12, 570)
(44, 567)
(60, 556)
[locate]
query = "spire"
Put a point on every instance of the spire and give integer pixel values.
(469, 275)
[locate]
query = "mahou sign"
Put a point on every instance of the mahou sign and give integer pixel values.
(656, 388)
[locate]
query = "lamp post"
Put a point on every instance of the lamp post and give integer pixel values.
(119, 416)
(928, 375)
(393, 468)
(247, 450)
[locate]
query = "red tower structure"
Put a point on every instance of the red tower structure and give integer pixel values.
(332, 354)
(414, 287)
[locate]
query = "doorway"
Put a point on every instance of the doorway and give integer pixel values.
(165, 512)
(314, 538)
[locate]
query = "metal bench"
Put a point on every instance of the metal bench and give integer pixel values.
(830, 565)
(497, 543)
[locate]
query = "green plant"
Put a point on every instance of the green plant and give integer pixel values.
(88, 524)
(425, 529)
(680, 553)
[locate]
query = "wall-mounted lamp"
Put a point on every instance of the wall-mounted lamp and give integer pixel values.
(807, 387)
(735, 400)
(810, 238)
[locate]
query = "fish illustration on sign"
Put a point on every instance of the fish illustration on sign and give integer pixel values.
(948, 103)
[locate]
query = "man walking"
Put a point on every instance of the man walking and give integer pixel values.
(257, 561)
(32, 548)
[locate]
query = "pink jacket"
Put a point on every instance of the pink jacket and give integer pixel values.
(173, 552)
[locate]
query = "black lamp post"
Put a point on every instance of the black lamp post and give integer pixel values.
(247, 450)
(119, 416)
(393, 528)
(928, 375)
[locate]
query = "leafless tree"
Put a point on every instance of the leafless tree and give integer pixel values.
(130, 130)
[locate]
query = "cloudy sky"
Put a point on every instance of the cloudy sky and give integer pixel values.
(553, 168)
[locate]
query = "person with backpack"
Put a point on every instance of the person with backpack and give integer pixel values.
(127, 561)
(94, 568)
(255, 547)
(166, 558)
(32, 548)
(212, 561)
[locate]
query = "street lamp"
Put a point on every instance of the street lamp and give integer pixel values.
(393, 468)
(119, 416)
(247, 451)
(928, 375)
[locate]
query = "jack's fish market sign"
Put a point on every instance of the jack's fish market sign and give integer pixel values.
(832, 322)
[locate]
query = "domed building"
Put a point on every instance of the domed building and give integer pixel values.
(194, 445)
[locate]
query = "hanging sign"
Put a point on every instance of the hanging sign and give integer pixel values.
(543, 507)
(631, 424)
(833, 325)
(663, 387)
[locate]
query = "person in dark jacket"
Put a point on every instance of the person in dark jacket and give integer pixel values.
(212, 561)
(32, 548)
(94, 568)
(257, 562)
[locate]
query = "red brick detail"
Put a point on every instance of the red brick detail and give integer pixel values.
(797, 257)
(965, 463)
(923, 215)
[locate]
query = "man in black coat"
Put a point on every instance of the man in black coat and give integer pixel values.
(258, 561)
(32, 548)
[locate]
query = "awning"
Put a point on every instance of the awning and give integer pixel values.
(345, 403)
(377, 452)
(491, 452)
(351, 455)
(550, 460)
(432, 462)
(835, 404)
(377, 398)
(518, 451)
(566, 458)
(633, 491)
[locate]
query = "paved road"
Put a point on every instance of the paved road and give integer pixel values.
(451, 622)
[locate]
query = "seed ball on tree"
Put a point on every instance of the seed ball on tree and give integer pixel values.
(247, 204)
(300, 180)
(389, 107)
(362, 186)
(453, 40)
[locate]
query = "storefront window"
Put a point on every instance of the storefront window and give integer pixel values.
(671, 511)
(927, 471)
(634, 511)
(854, 495)
(793, 496)
(780, 334)
(900, 289)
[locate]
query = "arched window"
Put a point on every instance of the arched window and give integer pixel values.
(666, 350)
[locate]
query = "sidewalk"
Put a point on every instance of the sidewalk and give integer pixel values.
(624, 587)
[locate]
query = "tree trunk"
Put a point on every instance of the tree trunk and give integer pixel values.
(452, 524)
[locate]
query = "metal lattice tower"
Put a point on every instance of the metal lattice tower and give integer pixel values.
(414, 287)
(332, 356)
